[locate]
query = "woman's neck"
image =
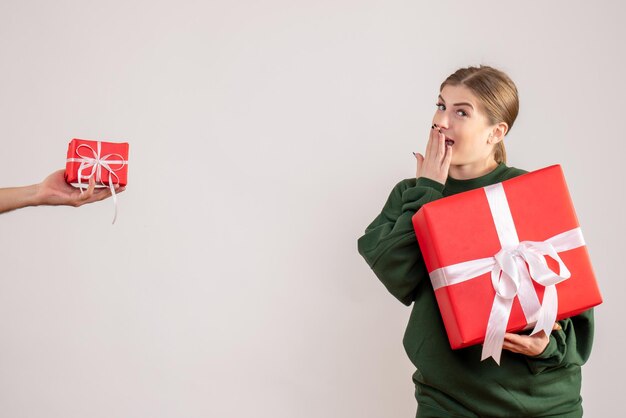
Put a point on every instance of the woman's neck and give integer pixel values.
(473, 170)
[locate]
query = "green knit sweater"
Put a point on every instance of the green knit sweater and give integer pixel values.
(455, 383)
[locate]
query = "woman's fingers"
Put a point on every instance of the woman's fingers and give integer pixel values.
(420, 160)
(530, 345)
(515, 343)
(431, 147)
(436, 148)
(447, 158)
(441, 144)
(436, 161)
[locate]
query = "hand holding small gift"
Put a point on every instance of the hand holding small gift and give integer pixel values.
(107, 161)
(53, 191)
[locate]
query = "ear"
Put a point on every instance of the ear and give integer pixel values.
(498, 133)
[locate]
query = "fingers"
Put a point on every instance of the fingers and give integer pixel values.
(83, 197)
(521, 339)
(100, 194)
(441, 145)
(95, 195)
(447, 159)
(420, 160)
(530, 345)
(437, 159)
(513, 338)
(436, 144)
(91, 187)
(509, 346)
(431, 147)
(515, 343)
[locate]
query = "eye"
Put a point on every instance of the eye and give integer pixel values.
(439, 105)
(462, 111)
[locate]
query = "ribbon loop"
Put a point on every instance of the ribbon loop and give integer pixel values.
(512, 262)
(505, 277)
(524, 260)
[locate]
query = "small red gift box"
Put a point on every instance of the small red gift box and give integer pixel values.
(108, 161)
(506, 257)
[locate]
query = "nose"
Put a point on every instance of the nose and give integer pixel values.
(440, 121)
(440, 126)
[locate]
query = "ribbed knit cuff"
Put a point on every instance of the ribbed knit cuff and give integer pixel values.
(548, 351)
(424, 191)
(551, 356)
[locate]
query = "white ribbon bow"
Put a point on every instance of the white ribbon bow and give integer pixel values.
(510, 277)
(97, 162)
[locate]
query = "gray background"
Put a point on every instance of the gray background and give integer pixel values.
(264, 137)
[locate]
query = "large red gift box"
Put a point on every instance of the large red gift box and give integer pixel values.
(108, 161)
(508, 236)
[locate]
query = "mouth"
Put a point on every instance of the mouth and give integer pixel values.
(449, 141)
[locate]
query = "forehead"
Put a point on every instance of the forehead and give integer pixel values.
(458, 94)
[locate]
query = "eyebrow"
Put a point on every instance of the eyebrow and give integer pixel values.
(458, 104)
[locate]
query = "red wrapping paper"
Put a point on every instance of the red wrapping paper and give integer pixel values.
(461, 228)
(113, 167)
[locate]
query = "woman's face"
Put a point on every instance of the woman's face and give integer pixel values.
(462, 121)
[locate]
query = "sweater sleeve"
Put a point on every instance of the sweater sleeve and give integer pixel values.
(389, 244)
(569, 345)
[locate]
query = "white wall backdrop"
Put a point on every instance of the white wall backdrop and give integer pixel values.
(264, 137)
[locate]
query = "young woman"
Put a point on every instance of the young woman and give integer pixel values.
(539, 375)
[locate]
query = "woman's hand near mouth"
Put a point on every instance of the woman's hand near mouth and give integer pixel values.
(436, 163)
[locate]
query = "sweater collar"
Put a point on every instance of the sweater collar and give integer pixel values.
(456, 186)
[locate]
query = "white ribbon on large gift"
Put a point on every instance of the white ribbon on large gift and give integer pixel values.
(97, 162)
(510, 277)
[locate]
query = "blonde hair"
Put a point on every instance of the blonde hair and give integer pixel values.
(497, 95)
